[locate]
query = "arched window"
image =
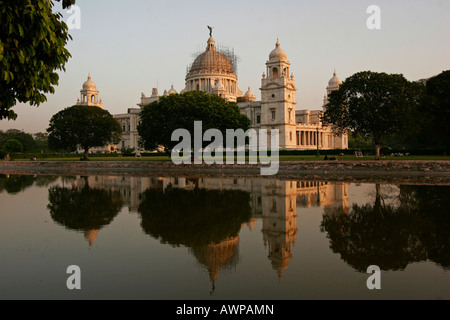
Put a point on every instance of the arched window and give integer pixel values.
(92, 98)
(275, 73)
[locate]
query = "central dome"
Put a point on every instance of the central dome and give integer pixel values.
(211, 61)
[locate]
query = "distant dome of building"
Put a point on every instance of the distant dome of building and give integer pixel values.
(89, 84)
(172, 90)
(211, 61)
(278, 53)
(335, 81)
(249, 93)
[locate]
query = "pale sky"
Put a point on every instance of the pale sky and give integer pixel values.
(132, 46)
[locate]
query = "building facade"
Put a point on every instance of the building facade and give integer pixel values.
(214, 72)
(298, 129)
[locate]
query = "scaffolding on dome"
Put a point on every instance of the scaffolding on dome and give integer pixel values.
(231, 56)
(223, 49)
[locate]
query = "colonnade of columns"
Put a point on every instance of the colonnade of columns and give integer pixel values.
(207, 85)
(310, 138)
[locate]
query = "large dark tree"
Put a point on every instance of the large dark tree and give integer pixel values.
(436, 108)
(374, 106)
(179, 111)
(84, 126)
(32, 50)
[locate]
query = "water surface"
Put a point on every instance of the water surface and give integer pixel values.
(218, 238)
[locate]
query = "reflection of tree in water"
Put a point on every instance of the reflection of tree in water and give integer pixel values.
(45, 181)
(86, 209)
(193, 217)
(432, 203)
(207, 221)
(392, 237)
(14, 184)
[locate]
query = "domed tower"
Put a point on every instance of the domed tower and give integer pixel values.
(278, 98)
(212, 72)
(333, 85)
(334, 141)
(249, 95)
(89, 94)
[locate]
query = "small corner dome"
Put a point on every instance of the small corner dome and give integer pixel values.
(172, 90)
(249, 93)
(335, 81)
(89, 84)
(278, 53)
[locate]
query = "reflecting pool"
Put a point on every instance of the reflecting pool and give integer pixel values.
(221, 238)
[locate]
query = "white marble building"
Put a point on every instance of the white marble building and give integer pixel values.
(213, 72)
(298, 129)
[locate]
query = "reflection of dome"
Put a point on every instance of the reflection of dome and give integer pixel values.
(211, 61)
(278, 53)
(335, 81)
(217, 255)
(251, 224)
(281, 265)
(91, 235)
(89, 84)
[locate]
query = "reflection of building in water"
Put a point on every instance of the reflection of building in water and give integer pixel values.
(129, 187)
(331, 196)
(274, 201)
(216, 256)
(279, 222)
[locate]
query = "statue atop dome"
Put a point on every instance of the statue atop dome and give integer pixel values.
(210, 31)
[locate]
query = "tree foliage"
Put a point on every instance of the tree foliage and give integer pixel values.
(32, 49)
(41, 141)
(25, 139)
(374, 106)
(84, 126)
(13, 146)
(436, 108)
(160, 118)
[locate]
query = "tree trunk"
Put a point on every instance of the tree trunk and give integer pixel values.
(377, 151)
(86, 153)
(377, 206)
